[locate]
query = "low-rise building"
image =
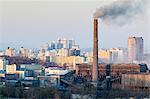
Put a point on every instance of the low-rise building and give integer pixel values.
(15, 69)
(136, 81)
(37, 69)
(24, 70)
(53, 76)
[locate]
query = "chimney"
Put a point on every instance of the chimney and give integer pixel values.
(95, 52)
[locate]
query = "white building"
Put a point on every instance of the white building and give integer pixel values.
(52, 76)
(117, 55)
(135, 49)
(55, 71)
(62, 43)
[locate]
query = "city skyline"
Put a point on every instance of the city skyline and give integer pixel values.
(74, 49)
(28, 23)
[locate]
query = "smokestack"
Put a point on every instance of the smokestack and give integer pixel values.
(95, 52)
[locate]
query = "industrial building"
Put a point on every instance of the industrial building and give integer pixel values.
(136, 81)
(116, 70)
(119, 75)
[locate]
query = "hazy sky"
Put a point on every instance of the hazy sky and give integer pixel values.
(32, 23)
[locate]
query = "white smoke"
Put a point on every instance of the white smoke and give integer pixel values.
(121, 10)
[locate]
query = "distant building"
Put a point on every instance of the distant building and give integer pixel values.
(52, 45)
(135, 49)
(63, 52)
(62, 43)
(3, 63)
(71, 43)
(88, 57)
(23, 52)
(2, 53)
(117, 55)
(104, 56)
(53, 53)
(10, 52)
(147, 57)
(45, 47)
(74, 51)
(41, 55)
(112, 55)
(59, 45)
(75, 47)
(31, 54)
(70, 61)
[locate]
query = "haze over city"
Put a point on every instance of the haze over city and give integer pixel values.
(34, 23)
(74, 49)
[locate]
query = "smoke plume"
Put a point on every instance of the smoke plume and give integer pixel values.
(121, 10)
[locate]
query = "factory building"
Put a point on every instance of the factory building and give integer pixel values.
(136, 81)
(115, 69)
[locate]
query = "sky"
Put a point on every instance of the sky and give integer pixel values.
(32, 23)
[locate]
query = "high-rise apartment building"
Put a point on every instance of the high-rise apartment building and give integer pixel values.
(23, 52)
(10, 52)
(62, 43)
(71, 43)
(135, 49)
(52, 45)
